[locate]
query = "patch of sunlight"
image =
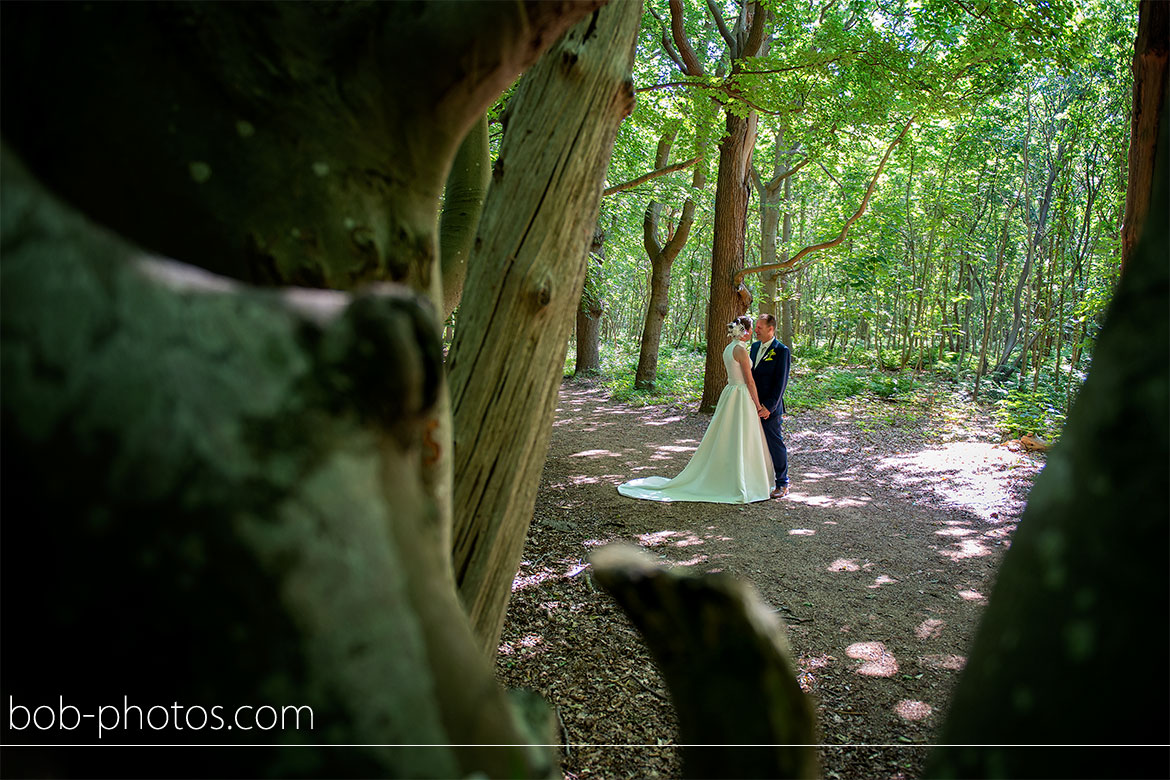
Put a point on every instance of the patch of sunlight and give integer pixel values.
(844, 564)
(801, 532)
(665, 420)
(584, 479)
(955, 532)
(829, 522)
(815, 662)
(689, 541)
(697, 559)
(967, 474)
(951, 663)
(972, 595)
(930, 628)
(881, 580)
(967, 548)
(656, 538)
(828, 501)
(575, 569)
(528, 580)
(597, 542)
(595, 453)
(879, 662)
(913, 710)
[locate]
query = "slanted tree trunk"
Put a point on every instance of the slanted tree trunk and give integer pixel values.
(1151, 83)
(662, 256)
(528, 269)
(467, 185)
(590, 309)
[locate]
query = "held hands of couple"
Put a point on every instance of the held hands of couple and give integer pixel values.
(763, 413)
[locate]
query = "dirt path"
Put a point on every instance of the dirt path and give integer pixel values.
(880, 561)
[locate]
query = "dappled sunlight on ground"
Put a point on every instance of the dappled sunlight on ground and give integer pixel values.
(972, 595)
(844, 564)
(827, 501)
(801, 532)
(964, 474)
(948, 662)
(929, 629)
(879, 662)
(908, 709)
(595, 454)
(882, 580)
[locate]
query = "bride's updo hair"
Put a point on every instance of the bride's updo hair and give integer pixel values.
(745, 322)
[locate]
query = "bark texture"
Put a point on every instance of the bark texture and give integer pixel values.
(463, 198)
(725, 299)
(217, 493)
(528, 270)
(1151, 87)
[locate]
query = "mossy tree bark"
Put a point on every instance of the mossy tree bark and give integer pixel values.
(213, 496)
(528, 269)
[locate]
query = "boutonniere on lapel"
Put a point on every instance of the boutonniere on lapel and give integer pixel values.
(769, 356)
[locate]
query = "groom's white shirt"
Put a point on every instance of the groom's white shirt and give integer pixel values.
(760, 352)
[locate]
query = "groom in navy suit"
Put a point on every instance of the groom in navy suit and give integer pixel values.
(770, 363)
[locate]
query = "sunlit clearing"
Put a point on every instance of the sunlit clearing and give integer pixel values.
(844, 564)
(801, 532)
(972, 595)
(951, 663)
(879, 662)
(929, 629)
(913, 710)
(881, 580)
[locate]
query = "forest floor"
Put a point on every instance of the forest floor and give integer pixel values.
(880, 561)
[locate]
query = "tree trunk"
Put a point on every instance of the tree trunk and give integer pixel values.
(725, 301)
(1151, 83)
(244, 520)
(662, 258)
(467, 185)
(590, 309)
(528, 270)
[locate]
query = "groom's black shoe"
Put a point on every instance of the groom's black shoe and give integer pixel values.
(780, 492)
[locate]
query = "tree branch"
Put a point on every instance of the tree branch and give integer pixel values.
(714, 9)
(693, 68)
(790, 263)
(629, 185)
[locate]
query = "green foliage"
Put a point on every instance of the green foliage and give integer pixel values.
(1024, 411)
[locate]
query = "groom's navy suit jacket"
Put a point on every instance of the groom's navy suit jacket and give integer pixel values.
(771, 374)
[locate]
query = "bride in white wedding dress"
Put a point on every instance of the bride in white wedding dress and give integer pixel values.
(732, 464)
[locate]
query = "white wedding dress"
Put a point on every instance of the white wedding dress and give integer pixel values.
(732, 464)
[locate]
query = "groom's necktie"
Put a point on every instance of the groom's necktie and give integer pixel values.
(760, 353)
